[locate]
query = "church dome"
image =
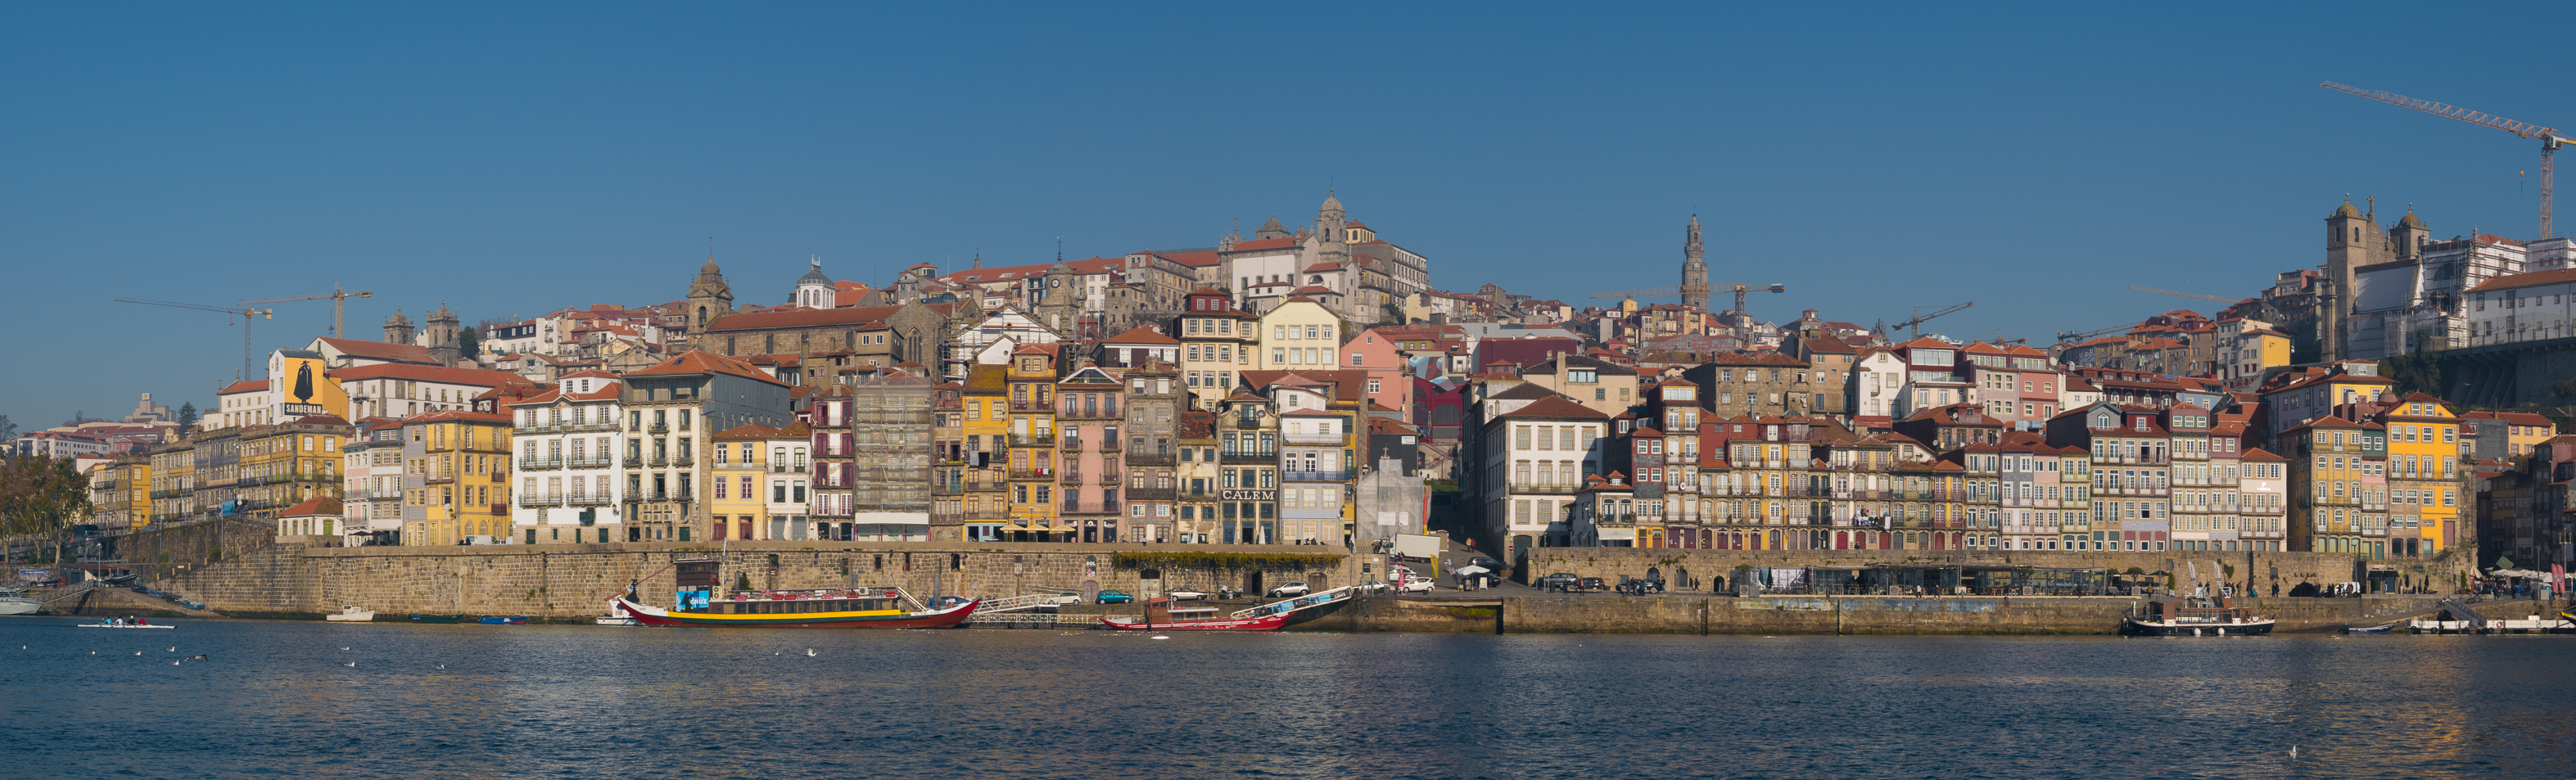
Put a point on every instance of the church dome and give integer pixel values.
(2346, 210)
(398, 320)
(1332, 202)
(2409, 221)
(814, 275)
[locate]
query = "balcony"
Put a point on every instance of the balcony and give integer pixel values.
(1032, 473)
(1564, 488)
(1032, 406)
(1135, 458)
(833, 511)
(1250, 456)
(658, 428)
(1109, 412)
(600, 462)
(684, 461)
(1317, 476)
(539, 464)
(1075, 478)
(600, 426)
(1092, 508)
(540, 500)
(634, 461)
(1071, 444)
(1328, 439)
(587, 499)
(986, 487)
(1042, 439)
(1247, 424)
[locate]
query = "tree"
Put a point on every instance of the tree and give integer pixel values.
(467, 343)
(8, 430)
(41, 494)
(187, 414)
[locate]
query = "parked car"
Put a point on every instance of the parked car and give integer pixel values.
(1186, 594)
(1116, 597)
(1374, 586)
(1416, 586)
(1489, 563)
(1594, 584)
(1290, 589)
(1558, 581)
(1401, 573)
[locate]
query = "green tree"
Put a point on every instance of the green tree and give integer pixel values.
(8, 430)
(467, 343)
(187, 414)
(41, 494)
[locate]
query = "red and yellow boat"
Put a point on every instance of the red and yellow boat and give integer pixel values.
(865, 608)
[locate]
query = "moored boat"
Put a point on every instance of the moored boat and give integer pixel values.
(12, 603)
(1160, 616)
(123, 623)
(862, 608)
(351, 614)
(2196, 616)
(2373, 629)
(420, 618)
(505, 621)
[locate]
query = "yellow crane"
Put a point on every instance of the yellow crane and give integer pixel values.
(2550, 140)
(245, 314)
(336, 296)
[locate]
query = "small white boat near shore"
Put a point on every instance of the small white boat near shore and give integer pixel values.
(351, 614)
(121, 624)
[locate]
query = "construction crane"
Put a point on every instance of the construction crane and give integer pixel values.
(1919, 318)
(245, 314)
(2550, 140)
(2072, 336)
(1738, 288)
(337, 296)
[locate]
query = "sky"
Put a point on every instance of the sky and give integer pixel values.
(514, 159)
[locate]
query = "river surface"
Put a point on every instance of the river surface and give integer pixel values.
(280, 699)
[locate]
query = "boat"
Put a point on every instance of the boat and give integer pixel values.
(116, 623)
(12, 603)
(351, 614)
(861, 608)
(1160, 616)
(420, 618)
(505, 621)
(2373, 629)
(615, 618)
(2195, 616)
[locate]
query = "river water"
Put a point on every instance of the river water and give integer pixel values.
(279, 699)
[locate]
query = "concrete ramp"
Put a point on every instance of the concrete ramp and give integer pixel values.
(2461, 612)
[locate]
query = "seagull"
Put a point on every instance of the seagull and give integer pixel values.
(138, 652)
(809, 652)
(441, 666)
(174, 649)
(353, 663)
(174, 663)
(2294, 751)
(344, 648)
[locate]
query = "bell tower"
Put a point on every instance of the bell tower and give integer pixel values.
(398, 328)
(441, 336)
(709, 300)
(1694, 269)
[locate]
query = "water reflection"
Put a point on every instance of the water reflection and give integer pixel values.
(279, 699)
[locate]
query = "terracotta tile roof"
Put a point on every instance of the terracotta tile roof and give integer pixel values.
(810, 318)
(2535, 278)
(1140, 335)
(1555, 406)
(317, 505)
(2258, 453)
(701, 362)
(380, 350)
(243, 387)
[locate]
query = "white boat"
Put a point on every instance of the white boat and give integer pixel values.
(352, 614)
(126, 625)
(11, 603)
(616, 618)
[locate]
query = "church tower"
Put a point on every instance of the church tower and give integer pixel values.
(2350, 239)
(709, 299)
(1332, 231)
(1694, 269)
(1059, 308)
(2410, 235)
(441, 336)
(813, 290)
(398, 328)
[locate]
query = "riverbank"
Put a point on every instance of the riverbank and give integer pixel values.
(1842, 615)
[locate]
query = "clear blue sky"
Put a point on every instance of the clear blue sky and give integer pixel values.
(511, 160)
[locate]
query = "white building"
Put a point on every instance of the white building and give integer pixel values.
(2534, 306)
(1534, 460)
(565, 445)
(371, 495)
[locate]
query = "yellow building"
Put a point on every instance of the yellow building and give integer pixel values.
(458, 485)
(1217, 342)
(985, 405)
(2428, 476)
(120, 493)
(2338, 487)
(1298, 334)
(1032, 456)
(763, 483)
(2523, 431)
(281, 465)
(174, 481)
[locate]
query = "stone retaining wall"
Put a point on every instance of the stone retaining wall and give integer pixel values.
(2263, 570)
(1855, 615)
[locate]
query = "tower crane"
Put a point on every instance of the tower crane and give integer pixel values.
(337, 296)
(1919, 318)
(2218, 298)
(2550, 140)
(1738, 288)
(2072, 336)
(245, 314)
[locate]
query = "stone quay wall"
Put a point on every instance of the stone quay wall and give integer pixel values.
(1850, 615)
(293, 579)
(2261, 570)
